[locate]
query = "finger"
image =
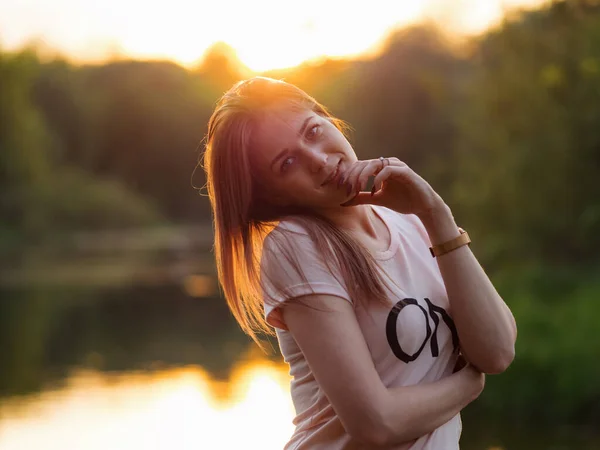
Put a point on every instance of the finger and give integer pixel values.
(344, 175)
(351, 175)
(383, 175)
(387, 172)
(393, 161)
(361, 198)
(365, 198)
(372, 168)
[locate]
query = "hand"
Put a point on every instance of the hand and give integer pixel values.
(475, 380)
(396, 186)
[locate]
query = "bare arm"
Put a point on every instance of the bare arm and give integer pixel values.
(485, 324)
(414, 411)
(338, 356)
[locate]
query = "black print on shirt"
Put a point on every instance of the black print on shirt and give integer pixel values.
(434, 312)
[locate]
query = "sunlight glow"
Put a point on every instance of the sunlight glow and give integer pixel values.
(266, 34)
(182, 409)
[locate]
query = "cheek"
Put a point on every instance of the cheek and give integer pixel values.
(336, 139)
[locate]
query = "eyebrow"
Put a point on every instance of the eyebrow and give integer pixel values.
(285, 150)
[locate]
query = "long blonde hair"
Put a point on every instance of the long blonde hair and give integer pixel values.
(243, 216)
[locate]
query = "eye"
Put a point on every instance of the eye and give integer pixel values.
(313, 131)
(287, 162)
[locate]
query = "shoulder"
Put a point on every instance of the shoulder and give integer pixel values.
(302, 232)
(288, 226)
(291, 242)
(287, 234)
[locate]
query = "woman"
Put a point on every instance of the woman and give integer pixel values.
(368, 318)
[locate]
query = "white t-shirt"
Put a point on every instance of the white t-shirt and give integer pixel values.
(413, 342)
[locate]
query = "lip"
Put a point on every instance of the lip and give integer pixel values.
(333, 175)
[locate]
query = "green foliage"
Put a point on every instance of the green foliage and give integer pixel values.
(145, 126)
(79, 202)
(24, 165)
(554, 376)
(529, 149)
(39, 195)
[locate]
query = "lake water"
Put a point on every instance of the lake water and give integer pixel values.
(172, 409)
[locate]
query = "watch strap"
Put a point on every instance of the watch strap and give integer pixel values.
(452, 244)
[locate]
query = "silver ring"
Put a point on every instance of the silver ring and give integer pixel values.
(383, 161)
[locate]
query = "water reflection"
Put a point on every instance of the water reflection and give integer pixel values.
(179, 408)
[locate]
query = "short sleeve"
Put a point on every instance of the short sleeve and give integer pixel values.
(291, 267)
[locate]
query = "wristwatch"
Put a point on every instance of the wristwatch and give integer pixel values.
(452, 244)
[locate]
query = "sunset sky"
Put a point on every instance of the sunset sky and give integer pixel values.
(266, 34)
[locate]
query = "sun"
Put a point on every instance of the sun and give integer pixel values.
(265, 34)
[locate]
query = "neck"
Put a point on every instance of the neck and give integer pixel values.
(358, 219)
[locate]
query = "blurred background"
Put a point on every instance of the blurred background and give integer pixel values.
(113, 333)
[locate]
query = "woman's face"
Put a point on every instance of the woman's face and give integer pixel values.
(299, 156)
